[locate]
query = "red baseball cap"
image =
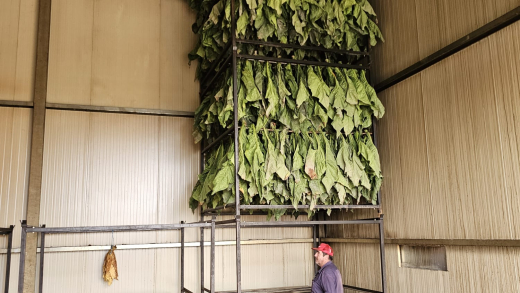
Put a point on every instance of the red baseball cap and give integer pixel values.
(325, 248)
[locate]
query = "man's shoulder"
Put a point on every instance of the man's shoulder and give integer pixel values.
(330, 267)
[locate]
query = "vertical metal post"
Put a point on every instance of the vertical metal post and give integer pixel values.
(202, 258)
(212, 269)
(315, 244)
(235, 112)
(182, 258)
(21, 269)
(42, 255)
(382, 253)
(239, 254)
(8, 262)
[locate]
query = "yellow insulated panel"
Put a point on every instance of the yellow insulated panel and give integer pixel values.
(15, 136)
(124, 53)
(18, 26)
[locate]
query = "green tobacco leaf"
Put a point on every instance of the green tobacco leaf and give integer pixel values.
(348, 124)
(271, 94)
(375, 103)
(360, 87)
(310, 162)
(318, 87)
(297, 160)
(242, 23)
(373, 156)
(303, 94)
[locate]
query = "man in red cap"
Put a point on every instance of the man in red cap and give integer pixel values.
(328, 278)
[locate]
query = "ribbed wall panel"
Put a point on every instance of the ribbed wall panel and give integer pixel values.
(178, 169)
(449, 147)
(477, 269)
(414, 29)
(158, 270)
(103, 169)
(13, 280)
(263, 266)
(15, 137)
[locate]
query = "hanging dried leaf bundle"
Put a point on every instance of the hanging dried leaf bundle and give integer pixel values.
(110, 266)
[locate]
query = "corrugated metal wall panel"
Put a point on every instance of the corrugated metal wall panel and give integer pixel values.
(506, 78)
(100, 169)
(414, 29)
(13, 280)
(122, 53)
(178, 170)
(18, 22)
(15, 136)
(449, 147)
(158, 270)
(470, 269)
(263, 266)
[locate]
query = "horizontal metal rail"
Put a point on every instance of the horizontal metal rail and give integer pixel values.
(290, 207)
(268, 290)
(6, 231)
(312, 223)
(293, 289)
(16, 104)
(216, 141)
(219, 72)
(165, 245)
(360, 289)
(301, 62)
(262, 207)
(120, 110)
(311, 48)
(186, 290)
(98, 229)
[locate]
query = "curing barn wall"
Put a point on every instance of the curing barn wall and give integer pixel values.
(450, 159)
(114, 169)
(122, 53)
(18, 27)
(15, 127)
(414, 29)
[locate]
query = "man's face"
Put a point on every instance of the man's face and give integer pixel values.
(320, 258)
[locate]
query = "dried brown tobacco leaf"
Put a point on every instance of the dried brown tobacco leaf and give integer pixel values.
(110, 266)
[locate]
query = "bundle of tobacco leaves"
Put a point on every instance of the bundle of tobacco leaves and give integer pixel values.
(304, 135)
(110, 266)
(337, 24)
(304, 138)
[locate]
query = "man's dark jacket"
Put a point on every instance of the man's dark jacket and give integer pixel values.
(327, 280)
